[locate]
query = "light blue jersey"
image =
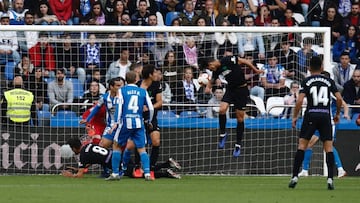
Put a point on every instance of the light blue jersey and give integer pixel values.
(130, 115)
(110, 104)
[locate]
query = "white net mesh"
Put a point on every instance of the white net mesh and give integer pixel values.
(88, 54)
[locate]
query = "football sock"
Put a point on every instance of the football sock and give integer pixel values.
(145, 162)
(307, 159)
(239, 132)
(115, 161)
(222, 123)
(337, 158)
(330, 164)
(299, 157)
(154, 155)
(137, 158)
(126, 158)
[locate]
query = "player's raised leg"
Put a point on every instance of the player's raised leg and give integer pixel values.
(222, 124)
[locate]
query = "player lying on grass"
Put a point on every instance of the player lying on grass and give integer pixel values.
(94, 154)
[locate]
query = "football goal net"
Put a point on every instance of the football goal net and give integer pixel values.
(89, 56)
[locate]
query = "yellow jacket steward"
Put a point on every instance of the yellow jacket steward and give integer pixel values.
(19, 103)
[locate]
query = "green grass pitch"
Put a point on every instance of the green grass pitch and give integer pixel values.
(209, 189)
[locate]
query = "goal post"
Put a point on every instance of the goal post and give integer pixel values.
(269, 141)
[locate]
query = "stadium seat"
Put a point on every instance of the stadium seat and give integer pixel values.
(271, 102)
(64, 119)
(170, 16)
(165, 114)
(189, 114)
(298, 17)
(259, 104)
(48, 80)
(78, 88)
(9, 70)
(43, 117)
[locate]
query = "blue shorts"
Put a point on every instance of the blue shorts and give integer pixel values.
(106, 134)
(137, 135)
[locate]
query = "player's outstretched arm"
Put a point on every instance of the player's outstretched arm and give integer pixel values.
(249, 64)
(339, 103)
(297, 109)
(70, 174)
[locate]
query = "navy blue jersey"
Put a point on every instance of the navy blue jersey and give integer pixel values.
(318, 89)
(94, 154)
(230, 71)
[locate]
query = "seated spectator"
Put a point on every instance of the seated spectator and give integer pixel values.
(27, 39)
(253, 79)
(110, 50)
(316, 12)
(61, 90)
(353, 18)
(147, 57)
(63, 10)
(273, 79)
(114, 17)
(45, 16)
(225, 7)
(343, 71)
(91, 53)
(276, 8)
(96, 76)
(39, 88)
(159, 49)
(190, 52)
(263, 17)
(333, 20)
(81, 10)
(97, 15)
(303, 56)
(288, 59)
(42, 55)
(212, 16)
(91, 95)
(125, 21)
(225, 41)
(175, 39)
(217, 95)
(25, 69)
(272, 41)
(351, 92)
(8, 43)
(171, 70)
(166, 90)
(295, 6)
(237, 19)
(203, 42)
(17, 12)
(186, 91)
(133, 6)
(347, 42)
(151, 37)
(140, 16)
(68, 57)
(251, 41)
(188, 16)
(290, 99)
(120, 67)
